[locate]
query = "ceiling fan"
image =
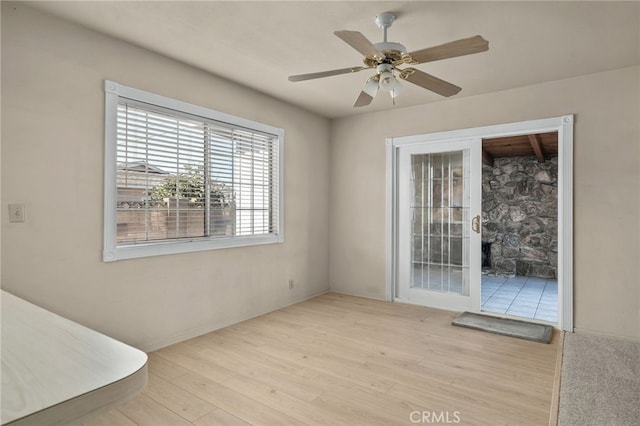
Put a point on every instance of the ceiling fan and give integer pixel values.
(386, 57)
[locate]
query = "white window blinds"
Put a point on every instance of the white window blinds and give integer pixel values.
(182, 177)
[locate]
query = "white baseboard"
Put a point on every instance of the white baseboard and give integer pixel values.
(208, 328)
(364, 296)
(599, 333)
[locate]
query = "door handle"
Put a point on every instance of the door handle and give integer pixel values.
(475, 224)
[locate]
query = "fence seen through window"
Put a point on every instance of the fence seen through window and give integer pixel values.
(181, 177)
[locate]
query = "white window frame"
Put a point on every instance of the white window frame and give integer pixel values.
(113, 251)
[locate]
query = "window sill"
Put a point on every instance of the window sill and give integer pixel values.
(188, 246)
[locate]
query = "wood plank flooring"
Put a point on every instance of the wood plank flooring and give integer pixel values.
(344, 360)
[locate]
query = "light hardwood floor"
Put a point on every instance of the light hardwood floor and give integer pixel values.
(346, 360)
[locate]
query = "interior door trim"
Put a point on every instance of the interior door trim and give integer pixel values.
(564, 126)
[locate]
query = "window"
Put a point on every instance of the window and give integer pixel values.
(181, 178)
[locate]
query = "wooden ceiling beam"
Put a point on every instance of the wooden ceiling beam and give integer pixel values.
(534, 140)
(487, 158)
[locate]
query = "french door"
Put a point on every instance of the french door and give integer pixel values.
(439, 224)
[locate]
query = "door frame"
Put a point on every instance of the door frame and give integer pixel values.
(564, 126)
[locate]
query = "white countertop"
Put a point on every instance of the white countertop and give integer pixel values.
(55, 371)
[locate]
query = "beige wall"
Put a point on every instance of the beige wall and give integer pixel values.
(606, 187)
(52, 160)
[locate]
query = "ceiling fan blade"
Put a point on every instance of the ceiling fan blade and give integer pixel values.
(369, 91)
(302, 77)
(465, 46)
(364, 99)
(358, 41)
(429, 82)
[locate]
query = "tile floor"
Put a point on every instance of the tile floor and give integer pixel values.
(527, 297)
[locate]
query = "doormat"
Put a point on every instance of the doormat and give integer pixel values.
(505, 326)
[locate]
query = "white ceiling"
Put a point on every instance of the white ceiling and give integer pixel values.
(259, 44)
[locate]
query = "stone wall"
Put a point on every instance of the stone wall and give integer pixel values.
(519, 216)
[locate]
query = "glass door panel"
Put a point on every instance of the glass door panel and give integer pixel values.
(438, 198)
(440, 222)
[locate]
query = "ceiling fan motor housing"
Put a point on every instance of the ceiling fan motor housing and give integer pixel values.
(391, 51)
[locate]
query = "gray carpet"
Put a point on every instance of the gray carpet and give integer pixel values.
(600, 382)
(505, 326)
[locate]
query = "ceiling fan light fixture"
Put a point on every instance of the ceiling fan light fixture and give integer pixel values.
(397, 90)
(387, 81)
(371, 86)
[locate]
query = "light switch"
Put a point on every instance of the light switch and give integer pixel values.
(16, 212)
